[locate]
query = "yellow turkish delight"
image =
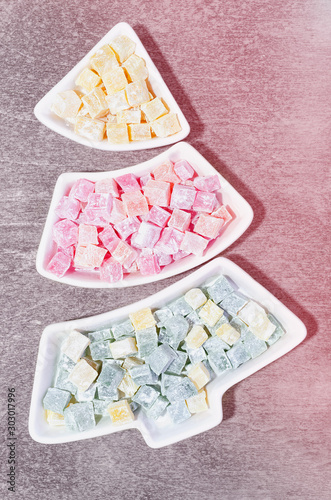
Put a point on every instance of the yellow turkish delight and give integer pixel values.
(142, 319)
(196, 337)
(88, 80)
(228, 334)
(131, 362)
(137, 93)
(114, 81)
(199, 375)
(197, 403)
(166, 125)
(139, 131)
(104, 60)
(128, 386)
(123, 47)
(66, 104)
(122, 348)
(135, 68)
(117, 102)
(83, 375)
(117, 133)
(120, 412)
(154, 109)
(129, 116)
(96, 103)
(93, 130)
(210, 313)
(74, 345)
(195, 298)
(54, 418)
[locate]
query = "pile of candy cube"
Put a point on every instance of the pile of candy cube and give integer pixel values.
(114, 97)
(123, 225)
(159, 362)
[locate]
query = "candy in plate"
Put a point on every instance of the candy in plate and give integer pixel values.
(123, 225)
(158, 363)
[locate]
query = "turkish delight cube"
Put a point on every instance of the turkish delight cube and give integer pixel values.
(128, 182)
(279, 332)
(135, 203)
(158, 216)
(184, 170)
(124, 254)
(208, 183)
(88, 80)
(83, 375)
(142, 319)
(56, 400)
(127, 226)
(197, 403)
(233, 303)
(122, 348)
(98, 335)
(154, 109)
(180, 307)
(143, 375)
(129, 116)
(220, 289)
(120, 412)
(96, 104)
(137, 93)
(178, 412)
(146, 341)
(162, 315)
(148, 265)
(65, 233)
(135, 68)
(193, 243)
(100, 349)
(208, 226)
(117, 102)
(62, 382)
(157, 193)
(128, 386)
(55, 419)
(222, 213)
(253, 345)
(210, 313)
(182, 197)
(68, 208)
(170, 241)
(87, 234)
(176, 330)
(104, 60)
(81, 190)
(161, 358)
(123, 47)
(109, 238)
(180, 220)
(204, 202)
(219, 361)
(117, 133)
(87, 395)
(93, 130)
(108, 186)
(132, 362)
(146, 396)
(111, 271)
(66, 104)
(166, 125)
(74, 345)
(111, 374)
(228, 334)
(80, 416)
(59, 264)
(100, 407)
(139, 131)
(157, 408)
(118, 212)
(215, 344)
(115, 80)
(109, 393)
(181, 390)
(196, 337)
(238, 355)
(195, 298)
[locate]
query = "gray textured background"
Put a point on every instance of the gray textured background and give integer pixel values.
(252, 79)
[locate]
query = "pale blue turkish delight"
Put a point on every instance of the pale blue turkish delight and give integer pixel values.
(87, 395)
(80, 416)
(219, 362)
(194, 319)
(134, 406)
(142, 375)
(196, 355)
(161, 358)
(167, 380)
(147, 341)
(238, 355)
(157, 408)
(62, 382)
(180, 307)
(178, 364)
(56, 400)
(176, 330)
(124, 329)
(100, 350)
(253, 345)
(105, 334)
(233, 303)
(100, 407)
(65, 363)
(111, 374)
(161, 315)
(146, 396)
(178, 411)
(279, 332)
(107, 392)
(240, 326)
(183, 390)
(215, 344)
(219, 290)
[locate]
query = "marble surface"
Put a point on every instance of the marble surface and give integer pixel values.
(253, 79)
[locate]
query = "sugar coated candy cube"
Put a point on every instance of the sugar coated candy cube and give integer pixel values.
(208, 226)
(127, 226)
(55, 419)
(137, 93)
(166, 125)
(81, 189)
(219, 361)
(129, 116)
(163, 259)
(132, 362)
(59, 264)
(168, 380)
(210, 313)
(114, 80)
(208, 183)
(162, 315)
(253, 345)
(196, 355)
(279, 332)
(146, 341)
(197, 403)
(135, 203)
(143, 375)
(104, 60)
(98, 335)
(158, 216)
(182, 197)
(184, 170)
(109, 238)
(109, 393)
(93, 130)
(123, 329)
(107, 185)
(215, 344)
(65, 233)
(111, 271)
(220, 289)
(118, 212)
(128, 386)
(74, 345)
(170, 241)
(117, 133)
(204, 202)
(165, 172)
(56, 400)
(139, 131)
(180, 307)
(157, 193)
(111, 374)
(195, 298)
(228, 334)
(122, 348)
(135, 68)
(148, 265)
(100, 349)
(95, 255)
(181, 390)
(96, 104)
(142, 319)
(147, 235)
(238, 355)
(239, 325)
(178, 412)
(146, 396)
(193, 243)
(124, 254)
(117, 102)
(154, 109)
(196, 337)
(233, 303)
(123, 47)
(180, 220)
(68, 208)
(100, 407)
(222, 213)
(87, 395)
(83, 375)
(100, 203)
(256, 318)
(157, 408)
(87, 234)
(88, 79)
(178, 364)
(80, 416)
(161, 358)
(66, 104)
(199, 375)
(62, 382)
(176, 330)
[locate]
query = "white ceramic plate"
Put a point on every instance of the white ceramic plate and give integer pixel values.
(162, 432)
(230, 233)
(43, 112)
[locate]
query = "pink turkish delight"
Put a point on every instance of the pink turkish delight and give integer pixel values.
(59, 264)
(170, 241)
(163, 258)
(128, 182)
(68, 208)
(95, 255)
(144, 179)
(118, 212)
(208, 226)
(87, 234)
(180, 255)
(127, 226)
(100, 203)
(81, 189)
(180, 220)
(193, 243)
(146, 236)
(65, 233)
(182, 197)
(148, 264)
(204, 202)
(209, 183)
(184, 170)
(109, 238)
(107, 186)
(124, 254)
(165, 172)
(157, 193)
(158, 216)
(135, 203)
(111, 271)
(222, 213)
(81, 259)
